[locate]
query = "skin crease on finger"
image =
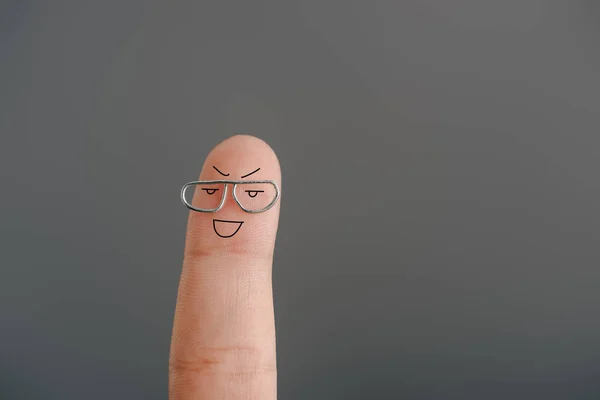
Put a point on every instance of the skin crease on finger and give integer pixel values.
(223, 343)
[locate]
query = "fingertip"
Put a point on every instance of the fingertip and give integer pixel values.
(242, 152)
(234, 228)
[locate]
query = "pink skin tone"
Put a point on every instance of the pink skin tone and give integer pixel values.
(223, 343)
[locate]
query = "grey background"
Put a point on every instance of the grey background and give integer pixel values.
(439, 235)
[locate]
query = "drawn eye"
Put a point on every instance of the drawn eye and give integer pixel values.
(254, 193)
(210, 191)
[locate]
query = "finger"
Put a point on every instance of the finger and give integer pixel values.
(223, 343)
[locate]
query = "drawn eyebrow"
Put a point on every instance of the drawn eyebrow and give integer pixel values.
(220, 171)
(256, 170)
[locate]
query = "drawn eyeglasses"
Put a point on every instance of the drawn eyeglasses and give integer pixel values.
(209, 196)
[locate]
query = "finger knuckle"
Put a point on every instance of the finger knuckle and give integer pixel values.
(235, 361)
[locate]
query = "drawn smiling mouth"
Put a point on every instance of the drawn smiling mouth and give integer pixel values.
(226, 227)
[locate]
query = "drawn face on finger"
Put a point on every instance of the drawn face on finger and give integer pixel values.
(227, 192)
